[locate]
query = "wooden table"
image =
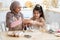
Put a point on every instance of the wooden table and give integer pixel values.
(36, 35)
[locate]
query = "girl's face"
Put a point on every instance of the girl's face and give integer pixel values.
(17, 9)
(36, 14)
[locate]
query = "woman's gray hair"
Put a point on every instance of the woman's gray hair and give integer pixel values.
(13, 5)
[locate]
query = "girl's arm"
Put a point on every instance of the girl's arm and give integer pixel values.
(41, 23)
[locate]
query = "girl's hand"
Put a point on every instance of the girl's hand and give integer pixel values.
(37, 23)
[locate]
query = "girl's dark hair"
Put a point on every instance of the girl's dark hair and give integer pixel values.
(39, 8)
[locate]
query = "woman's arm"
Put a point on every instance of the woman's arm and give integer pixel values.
(12, 22)
(15, 23)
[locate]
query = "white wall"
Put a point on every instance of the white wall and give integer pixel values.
(52, 17)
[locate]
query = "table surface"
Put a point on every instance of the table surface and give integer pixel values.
(36, 35)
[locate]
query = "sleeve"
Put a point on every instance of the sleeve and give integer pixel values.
(11, 22)
(9, 19)
(22, 20)
(22, 15)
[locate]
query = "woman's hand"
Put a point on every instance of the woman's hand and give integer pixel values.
(26, 22)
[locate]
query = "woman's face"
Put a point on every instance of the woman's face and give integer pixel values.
(17, 9)
(36, 14)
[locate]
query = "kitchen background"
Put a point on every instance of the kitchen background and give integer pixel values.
(51, 9)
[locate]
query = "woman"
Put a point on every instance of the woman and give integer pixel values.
(14, 18)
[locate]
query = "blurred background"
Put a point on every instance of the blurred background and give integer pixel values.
(51, 9)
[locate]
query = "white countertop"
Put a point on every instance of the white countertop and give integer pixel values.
(37, 35)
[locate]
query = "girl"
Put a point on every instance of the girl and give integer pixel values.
(38, 17)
